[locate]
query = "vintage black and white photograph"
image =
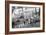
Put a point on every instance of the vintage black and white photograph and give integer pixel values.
(25, 17)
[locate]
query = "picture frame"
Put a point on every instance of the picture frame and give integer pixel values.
(26, 6)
